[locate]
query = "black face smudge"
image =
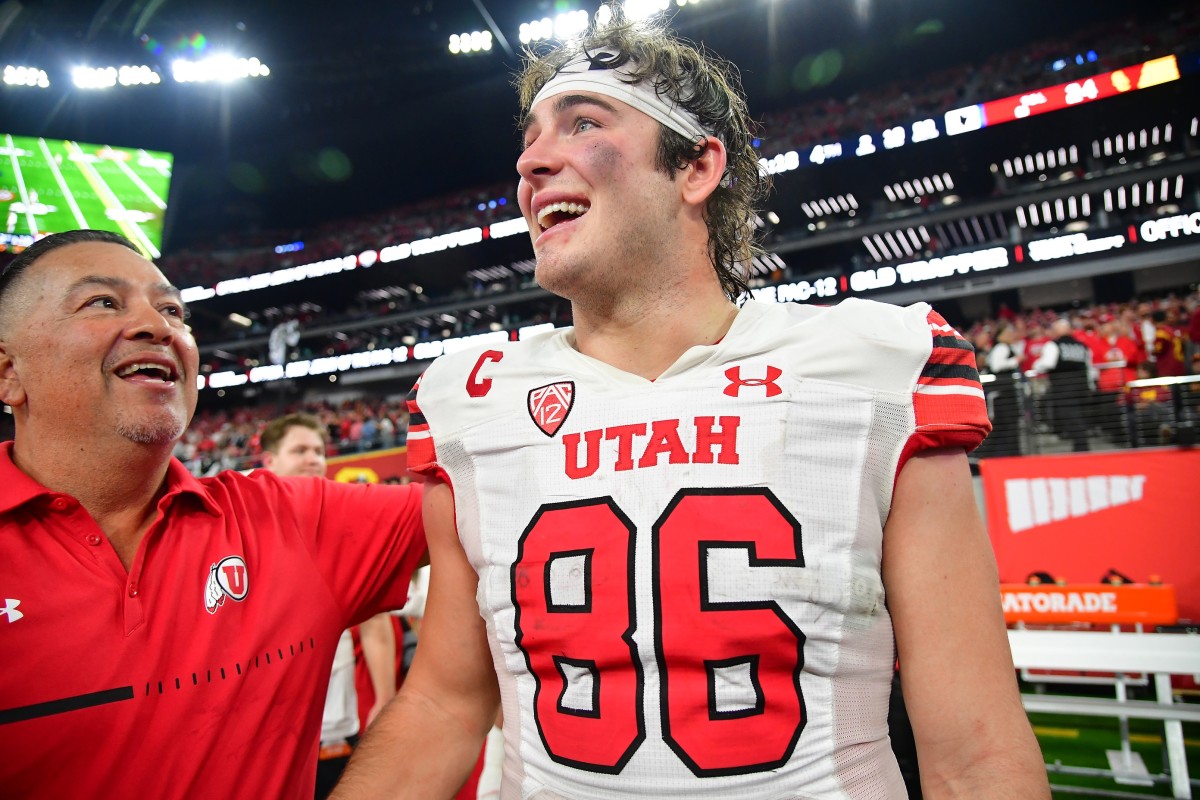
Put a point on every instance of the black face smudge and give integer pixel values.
(606, 157)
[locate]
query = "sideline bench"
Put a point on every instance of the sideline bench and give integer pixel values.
(1159, 654)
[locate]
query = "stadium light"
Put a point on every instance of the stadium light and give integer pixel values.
(26, 76)
(537, 30)
(223, 69)
(473, 42)
(564, 26)
(94, 77)
(641, 9)
(139, 75)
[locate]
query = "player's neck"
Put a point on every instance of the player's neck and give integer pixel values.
(646, 337)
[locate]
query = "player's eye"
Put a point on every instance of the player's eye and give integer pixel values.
(101, 301)
(585, 124)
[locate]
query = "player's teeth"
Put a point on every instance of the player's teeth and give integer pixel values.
(132, 368)
(574, 209)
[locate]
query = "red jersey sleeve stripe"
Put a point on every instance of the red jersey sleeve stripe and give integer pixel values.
(422, 454)
(950, 367)
(948, 401)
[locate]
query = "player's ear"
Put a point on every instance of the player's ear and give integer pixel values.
(11, 390)
(703, 175)
(268, 460)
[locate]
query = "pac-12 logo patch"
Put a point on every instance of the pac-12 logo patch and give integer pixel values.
(549, 405)
(226, 578)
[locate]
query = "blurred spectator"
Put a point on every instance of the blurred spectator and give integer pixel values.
(1067, 362)
(1168, 344)
(1004, 393)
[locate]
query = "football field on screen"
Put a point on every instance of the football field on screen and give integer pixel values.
(49, 186)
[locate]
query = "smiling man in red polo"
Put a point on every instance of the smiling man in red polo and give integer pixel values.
(160, 634)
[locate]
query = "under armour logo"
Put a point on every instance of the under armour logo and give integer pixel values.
(736, 381)
(10, 610)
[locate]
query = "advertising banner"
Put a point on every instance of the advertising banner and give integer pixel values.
(1077, 516)
(1094, 603)
(373, 467)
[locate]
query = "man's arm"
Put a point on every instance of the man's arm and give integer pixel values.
(973, 738)
(1047, 359)
(426, 741)
(379, 653)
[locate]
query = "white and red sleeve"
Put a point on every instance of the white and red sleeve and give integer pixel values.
(422, 452)
(948, 401)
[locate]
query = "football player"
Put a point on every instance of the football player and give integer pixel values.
(689, 537)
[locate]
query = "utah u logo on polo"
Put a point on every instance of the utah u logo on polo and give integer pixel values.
(736, 381)
(226, 578)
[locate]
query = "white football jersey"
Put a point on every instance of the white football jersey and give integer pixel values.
(681, 577)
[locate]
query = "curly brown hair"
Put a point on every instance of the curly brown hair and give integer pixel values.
(700, 83)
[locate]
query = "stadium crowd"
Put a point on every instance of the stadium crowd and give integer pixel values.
(1163, 333)
(231, 439)
(1089, 403)
(800, 127)
(1158, 337)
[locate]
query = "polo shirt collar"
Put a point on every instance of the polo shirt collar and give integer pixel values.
(19, 488)
(181, 482)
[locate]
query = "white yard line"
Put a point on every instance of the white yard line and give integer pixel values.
(62, 184)
(102, 189)
(154, 198)
(12, 154)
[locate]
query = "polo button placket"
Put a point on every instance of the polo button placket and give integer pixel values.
(134, 614)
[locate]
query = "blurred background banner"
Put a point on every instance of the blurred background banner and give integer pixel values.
(369, 467)
(1075, 517)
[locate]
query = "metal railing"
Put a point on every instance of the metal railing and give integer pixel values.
(1035, 414)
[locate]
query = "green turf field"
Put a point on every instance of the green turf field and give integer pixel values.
(48, 186)
(1076, 741)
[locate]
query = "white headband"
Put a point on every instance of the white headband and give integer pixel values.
(586, 75)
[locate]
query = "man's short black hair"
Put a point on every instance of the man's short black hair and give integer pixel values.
(41, 247)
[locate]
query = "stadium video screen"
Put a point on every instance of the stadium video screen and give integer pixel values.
(49, 186)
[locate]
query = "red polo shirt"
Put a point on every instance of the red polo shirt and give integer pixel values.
(201, 672)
